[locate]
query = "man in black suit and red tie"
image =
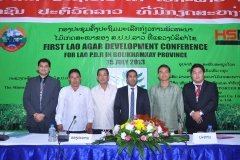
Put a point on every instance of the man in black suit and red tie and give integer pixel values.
(200, 101)
(40, 99)
(130, 100)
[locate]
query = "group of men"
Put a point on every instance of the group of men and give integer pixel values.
(80, 110)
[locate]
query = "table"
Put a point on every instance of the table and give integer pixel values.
(37, 147)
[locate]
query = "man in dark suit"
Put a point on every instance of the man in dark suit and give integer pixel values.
(130, 100)
(40, 99)
(200, 101)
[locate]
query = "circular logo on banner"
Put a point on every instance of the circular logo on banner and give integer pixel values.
(11, 39)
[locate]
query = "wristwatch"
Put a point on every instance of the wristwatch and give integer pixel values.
(201, 113)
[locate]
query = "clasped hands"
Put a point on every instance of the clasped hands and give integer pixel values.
(38, 117)
(197, 117)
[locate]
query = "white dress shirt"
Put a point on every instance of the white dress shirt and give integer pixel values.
(103, 106)
(74, 103)
(135, 99)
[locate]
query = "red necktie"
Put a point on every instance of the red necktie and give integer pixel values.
(198, 91)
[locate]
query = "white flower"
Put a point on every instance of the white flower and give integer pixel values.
(172, 133)
(150, 134)
(116, 129)
(123, 135)
(137, 132)
(129, 127)
(103, 133)
(160, 129)
(149, 127)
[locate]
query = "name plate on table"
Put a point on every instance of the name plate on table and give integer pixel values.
(80, 138)
(204, 138)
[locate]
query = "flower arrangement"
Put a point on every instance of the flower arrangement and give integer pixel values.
(140, 132)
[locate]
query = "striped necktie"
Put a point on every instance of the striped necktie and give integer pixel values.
(198, 91)
(41, 92)
(132, 104)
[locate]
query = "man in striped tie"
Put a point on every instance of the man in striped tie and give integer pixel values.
(130, 100)
(40, 99)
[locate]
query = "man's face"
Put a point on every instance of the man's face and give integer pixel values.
(197, 75)
(103, 77)
(43, 69)
(132, 79)
(163, 74)
(74, 79)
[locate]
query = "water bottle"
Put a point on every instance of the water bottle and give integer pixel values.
(210, 129)
(52, 137)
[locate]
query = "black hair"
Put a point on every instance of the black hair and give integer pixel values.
(73, 70)
(197, 65)
(44, 60)
(102, 69)
(131, 70)
(164, 65)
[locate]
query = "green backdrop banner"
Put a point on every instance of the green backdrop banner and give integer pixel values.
(89, 46)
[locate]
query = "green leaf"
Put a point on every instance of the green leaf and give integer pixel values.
(122, 147)
(139, 75)
(163, 142)
(176, 138)
(140, 147)
(119, 141)
(140, 80)
(131, 145)
(158, 147)
(151, 146)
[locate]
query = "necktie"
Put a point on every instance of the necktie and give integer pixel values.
(198, 91)
(132, 104)
(41, 92)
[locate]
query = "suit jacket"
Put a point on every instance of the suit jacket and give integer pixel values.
(121, 104)
(31, 100)
(207, 103)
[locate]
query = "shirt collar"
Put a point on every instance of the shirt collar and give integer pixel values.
(200, 84)
(45, 78)
(169, 85)
(77, 89)
(129, 87)
(100, 88)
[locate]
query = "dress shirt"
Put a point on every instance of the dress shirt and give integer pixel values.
(45, 78)
(195, 92)
(74, 103)
(167, 105)
(197, 87)
(129, 99)
(103, 106)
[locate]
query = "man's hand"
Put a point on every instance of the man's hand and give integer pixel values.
(180, 130)
(89, 128)
(197, 117)
(39, 117)
(34, 116)
(60, 128)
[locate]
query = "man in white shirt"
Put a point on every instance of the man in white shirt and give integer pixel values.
(103, 100)
(75, 100)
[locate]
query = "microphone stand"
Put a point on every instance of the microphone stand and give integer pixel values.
(184, 127)
(65, 137)
(186, 135)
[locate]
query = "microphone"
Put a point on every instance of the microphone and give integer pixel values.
(74, 117)
(181, 121)
(65, 137)
(4, 137)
